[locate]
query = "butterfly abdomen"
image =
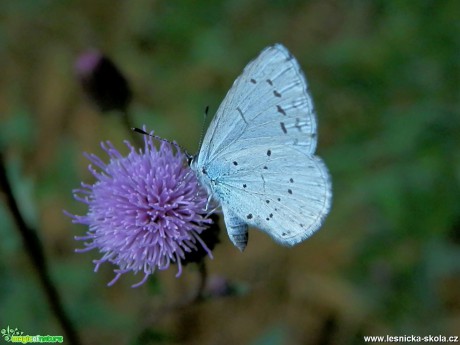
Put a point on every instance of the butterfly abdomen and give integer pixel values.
(237, 229)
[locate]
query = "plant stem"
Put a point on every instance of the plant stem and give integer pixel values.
(37, 257)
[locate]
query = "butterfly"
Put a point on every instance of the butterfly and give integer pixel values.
(257, 158)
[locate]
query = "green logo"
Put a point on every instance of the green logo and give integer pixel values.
(14, 335)
(8, 333)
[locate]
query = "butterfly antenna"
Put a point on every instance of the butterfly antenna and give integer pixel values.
(156, 137)
(203, 126)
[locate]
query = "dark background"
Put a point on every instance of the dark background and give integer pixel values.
(384, 76)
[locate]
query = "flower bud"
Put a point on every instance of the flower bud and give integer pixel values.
(102, 81)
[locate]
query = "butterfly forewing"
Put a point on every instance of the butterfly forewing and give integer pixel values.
(268, 101)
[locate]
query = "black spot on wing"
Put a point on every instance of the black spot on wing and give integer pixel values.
(281, 110)
(253, 81)
(269, 82)
(283, 127)
(276, 94)
(249, 216)
(297, 124)
(269, 153)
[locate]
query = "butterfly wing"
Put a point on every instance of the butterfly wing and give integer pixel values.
(286, 194)
(269, 101)
(257, 157)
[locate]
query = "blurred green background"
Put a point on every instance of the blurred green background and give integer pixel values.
(384, 76)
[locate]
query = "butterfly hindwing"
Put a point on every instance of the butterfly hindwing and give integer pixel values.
(287, 194)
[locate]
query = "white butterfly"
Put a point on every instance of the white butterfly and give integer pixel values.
(257, 157)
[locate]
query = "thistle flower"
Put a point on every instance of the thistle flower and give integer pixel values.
(146, 210)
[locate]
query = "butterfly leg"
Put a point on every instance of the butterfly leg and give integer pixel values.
(236, 228)
(208, 202)
(213, 210)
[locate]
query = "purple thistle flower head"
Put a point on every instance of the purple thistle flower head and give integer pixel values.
(146, 210)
